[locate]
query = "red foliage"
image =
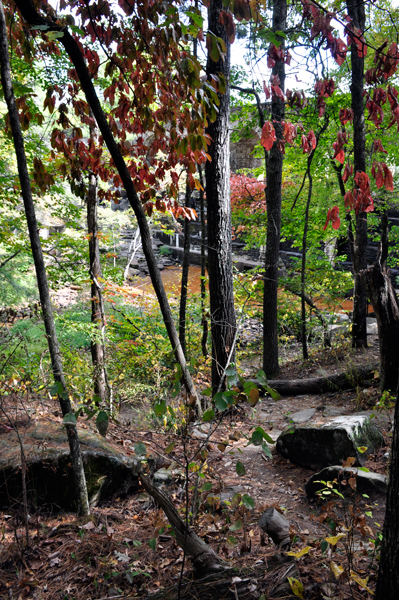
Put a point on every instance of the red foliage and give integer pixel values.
(382, 175)
(345, 115)
(348, 172)
(378, 147)
(338, 146)
(362, 195)
(268, 135)
(308, 142)
(332, 216)
(247, 193)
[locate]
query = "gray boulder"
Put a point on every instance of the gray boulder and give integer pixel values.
(366, 482)
(49, 473)
(316, 446)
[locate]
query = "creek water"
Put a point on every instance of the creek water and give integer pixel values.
(171, 277)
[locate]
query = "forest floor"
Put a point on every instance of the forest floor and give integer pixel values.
(126, 549)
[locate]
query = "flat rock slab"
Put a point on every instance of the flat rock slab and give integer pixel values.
(366, 482)
(49, 473)
(316, 446)
(302, 416)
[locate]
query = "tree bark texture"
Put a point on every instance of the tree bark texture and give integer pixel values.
(318, 385)
(54, 350)
(378, 284)
(184, 274)
(204, 559)
(217, 174)
(32, 17)
(273, 202)
(388, 572)
(359, 329)
(204, 320)
(97, 316)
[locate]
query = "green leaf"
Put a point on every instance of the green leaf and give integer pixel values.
(206, 487)
(207, 392)
(56, 389)
(296, 587)
(266, 450)
(248, 502)
(324, 545)
(261, 377)
(170, 447)
(230, 370)
(258, 435)
(152, 543)
(273, 393)
(69, 419)
(232, 541)
(102, 422)
(40, 27)
(208, 415)
(160, 408)
(140, 449)
(55, 35)
(236, 499)
(240, 469)
(220, 402)
(236, 526)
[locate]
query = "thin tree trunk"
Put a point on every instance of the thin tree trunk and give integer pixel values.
(184, 273)
(30, 14)
(274, 175)
(54, 350)
(305, 352)
(388, 572)
(359, 328)
(217, 174)
(204, 337)
(97, 317)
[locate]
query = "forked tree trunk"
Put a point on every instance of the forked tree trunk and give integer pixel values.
(274, 174)
(54, 350)
(378, 284)
(97, 316)
(359, 328)
(32, 17)
(217, 173)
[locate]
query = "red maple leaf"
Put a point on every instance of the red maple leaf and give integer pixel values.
(268, 136)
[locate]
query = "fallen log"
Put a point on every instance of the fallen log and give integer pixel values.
(318, 385)
(204, 559)
(277, 527)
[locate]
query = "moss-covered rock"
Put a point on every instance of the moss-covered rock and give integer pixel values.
(316, 446)
(49, 471)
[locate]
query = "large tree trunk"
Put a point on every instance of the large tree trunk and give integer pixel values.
(378, 284)
(217, 173)
(54, 350)
(32, 17)
(359, 329)
(97, 315)
(273, 201)
(388, 573)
